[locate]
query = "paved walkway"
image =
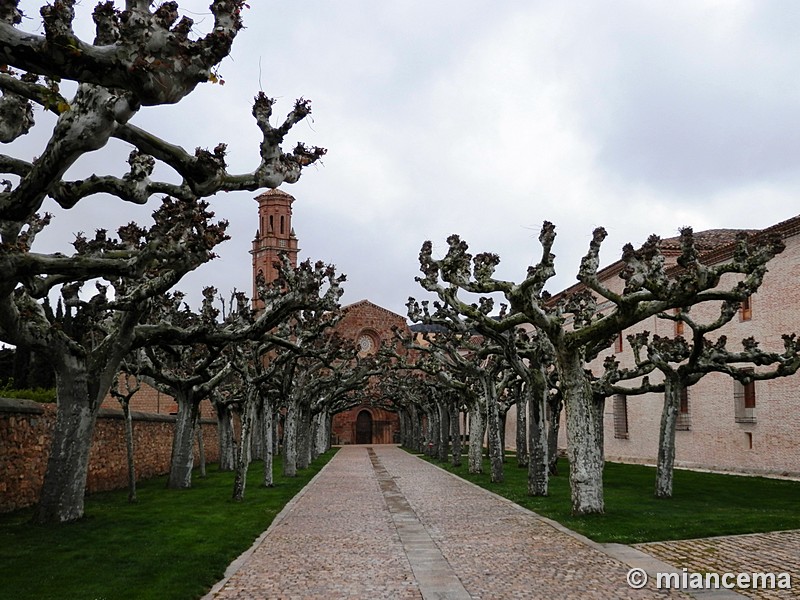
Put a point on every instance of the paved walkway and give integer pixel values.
(380, 523)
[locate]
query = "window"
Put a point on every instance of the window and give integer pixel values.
(684, 422)
(678, 324)
(618, 343)
(744, 399)
(282, 243)
(282, 217)
(621, 416)
(746, 309)
(271, 224)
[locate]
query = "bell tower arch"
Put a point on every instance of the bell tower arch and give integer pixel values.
(274, 236)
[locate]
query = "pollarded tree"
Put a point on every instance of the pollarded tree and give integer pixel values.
(124, 398)
(467, 355)
(140, 265)
(187, 372)
(139, 57)
(649, 290)
(683, 362)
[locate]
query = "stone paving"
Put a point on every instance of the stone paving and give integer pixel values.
(378, 522)
(776, 552)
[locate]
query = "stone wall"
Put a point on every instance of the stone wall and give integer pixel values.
(25, 432)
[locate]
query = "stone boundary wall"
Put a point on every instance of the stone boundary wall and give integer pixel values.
(25, 432)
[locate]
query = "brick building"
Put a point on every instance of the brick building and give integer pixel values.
(369, 326)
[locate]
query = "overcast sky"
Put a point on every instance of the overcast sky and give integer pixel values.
(485, 119)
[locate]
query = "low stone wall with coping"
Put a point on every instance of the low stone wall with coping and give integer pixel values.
(25, 432)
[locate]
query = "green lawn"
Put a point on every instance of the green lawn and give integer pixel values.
(171, 544)
(704, 504)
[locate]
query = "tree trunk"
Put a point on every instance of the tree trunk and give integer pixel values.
(502, 416)
(493, 438)
(268, 433)
(323, 436)
(304, 437)
(538, 468)
(182, 461)
(201, 445)
(666, 437)
(64, 485)
(585, 449)
(455, 434)
(243, 454)
(432, 433)
(522, 428)
(554, 406)
(476, 430)
(256, 438)
(126, 411)
(290, 440)
(416, 430)
(225, 435)
(444, 432)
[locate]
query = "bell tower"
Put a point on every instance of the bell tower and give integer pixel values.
(274, 236)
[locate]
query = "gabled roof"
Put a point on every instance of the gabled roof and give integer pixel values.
(368, 304)
(714, 245)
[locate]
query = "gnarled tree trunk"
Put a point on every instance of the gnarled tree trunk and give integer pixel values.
(477, 427)
(290, 426)
(126, 412)
(522, 429)
(455, 434)
(226, 440)
(182, 461)
(64, 483)
(666, 438)
(444, 432)
(585, 432)
(268, 433)
(493, 436)
(538, 468)
(243, 455)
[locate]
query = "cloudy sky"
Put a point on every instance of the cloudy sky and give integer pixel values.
(485, 119)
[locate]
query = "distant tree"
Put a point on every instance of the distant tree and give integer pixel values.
(124, 398)
(465, 355)
(187, 372)
(139, 57)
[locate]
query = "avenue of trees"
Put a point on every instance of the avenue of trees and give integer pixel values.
(115, 286)
(484, 344)
(541, 352)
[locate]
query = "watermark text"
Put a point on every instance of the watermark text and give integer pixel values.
(688, 580)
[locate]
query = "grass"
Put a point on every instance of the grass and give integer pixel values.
(703, 504)
(170, 545)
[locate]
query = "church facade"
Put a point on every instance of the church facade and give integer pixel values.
(366, 324)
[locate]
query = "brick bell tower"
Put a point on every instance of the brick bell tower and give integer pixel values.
(274, 236)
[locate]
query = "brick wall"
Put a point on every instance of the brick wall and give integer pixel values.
(367, 319)
(25, 432)
(150, 400)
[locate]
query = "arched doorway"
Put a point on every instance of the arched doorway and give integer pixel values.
(364, 428)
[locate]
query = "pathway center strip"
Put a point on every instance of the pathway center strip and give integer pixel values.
(433, 573)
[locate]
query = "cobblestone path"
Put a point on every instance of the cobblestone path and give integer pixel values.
(378, 523)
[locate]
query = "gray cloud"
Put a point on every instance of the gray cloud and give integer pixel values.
(486, 120)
